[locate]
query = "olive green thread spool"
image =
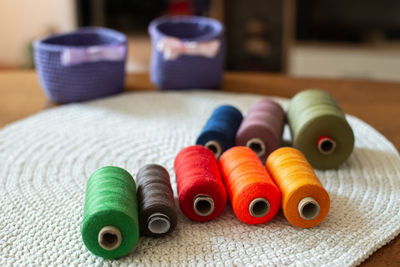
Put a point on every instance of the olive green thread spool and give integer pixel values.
(110, 227)
(319, 129)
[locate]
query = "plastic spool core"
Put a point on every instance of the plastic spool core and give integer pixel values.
(158, 223)
(215, 148)
(259, 207)
(203, 205)
(257, 145)
(308, 208)
(326, 145)
(109, 238)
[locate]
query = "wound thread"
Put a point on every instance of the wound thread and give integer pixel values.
(110, 227)
(253, 194)
(305, 202)
(202, 195)
(262, 128)
(319, 129)
(157, 211)
(220, 130)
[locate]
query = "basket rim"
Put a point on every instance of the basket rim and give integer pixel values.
(43, 45)
(217, 27)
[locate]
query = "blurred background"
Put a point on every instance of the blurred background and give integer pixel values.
(314, 38)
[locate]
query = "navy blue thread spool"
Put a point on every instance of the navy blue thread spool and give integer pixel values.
(220, 130)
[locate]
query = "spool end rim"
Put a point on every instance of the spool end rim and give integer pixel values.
(109, 238)
(257, 145)
(203, 205)
(214, 147)
(259, 207)
(308, 208)
(158, 223)
(326, 145)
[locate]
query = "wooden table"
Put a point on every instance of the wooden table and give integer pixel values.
(377, 103)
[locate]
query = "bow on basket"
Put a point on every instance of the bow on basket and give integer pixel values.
(172, 48)
(76, 56)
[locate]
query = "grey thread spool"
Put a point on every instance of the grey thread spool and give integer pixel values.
(157, 211)
(319, 129)
(262, 128)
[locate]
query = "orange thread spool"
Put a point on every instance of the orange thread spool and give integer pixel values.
(305, 202)
(254, 196)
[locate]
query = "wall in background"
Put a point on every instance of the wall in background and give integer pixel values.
(345, 61)
(24, 20)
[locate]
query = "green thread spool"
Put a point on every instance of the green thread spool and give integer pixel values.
(110, 227)
(319, 129)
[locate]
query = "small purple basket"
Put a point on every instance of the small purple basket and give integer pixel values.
(85, 64)
(187, 52)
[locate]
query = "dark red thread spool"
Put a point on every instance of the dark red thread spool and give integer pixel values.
(202, 195)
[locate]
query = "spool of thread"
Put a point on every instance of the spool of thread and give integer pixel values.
(262, 128)
(305, 202)
(319, 129)
(157, 212)
(202, 195)
(110, 227)
(254, 196)
(220, 130)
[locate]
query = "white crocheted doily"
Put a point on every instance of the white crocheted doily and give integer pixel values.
(45, 161)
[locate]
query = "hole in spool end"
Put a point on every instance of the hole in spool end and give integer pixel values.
(203, 205)
(308, 208)
(257, 145)
(259, 207)
(109, 238)
(158, 223)
(326, 145)
(215, 148)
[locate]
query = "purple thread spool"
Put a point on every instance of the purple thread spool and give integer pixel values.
(81, 65)
(187, 52)
(262, 128)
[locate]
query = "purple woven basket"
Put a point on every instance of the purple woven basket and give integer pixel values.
(85, 64)
(187, 71)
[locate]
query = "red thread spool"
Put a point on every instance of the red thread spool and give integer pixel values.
(254, 196)
(202, 195)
